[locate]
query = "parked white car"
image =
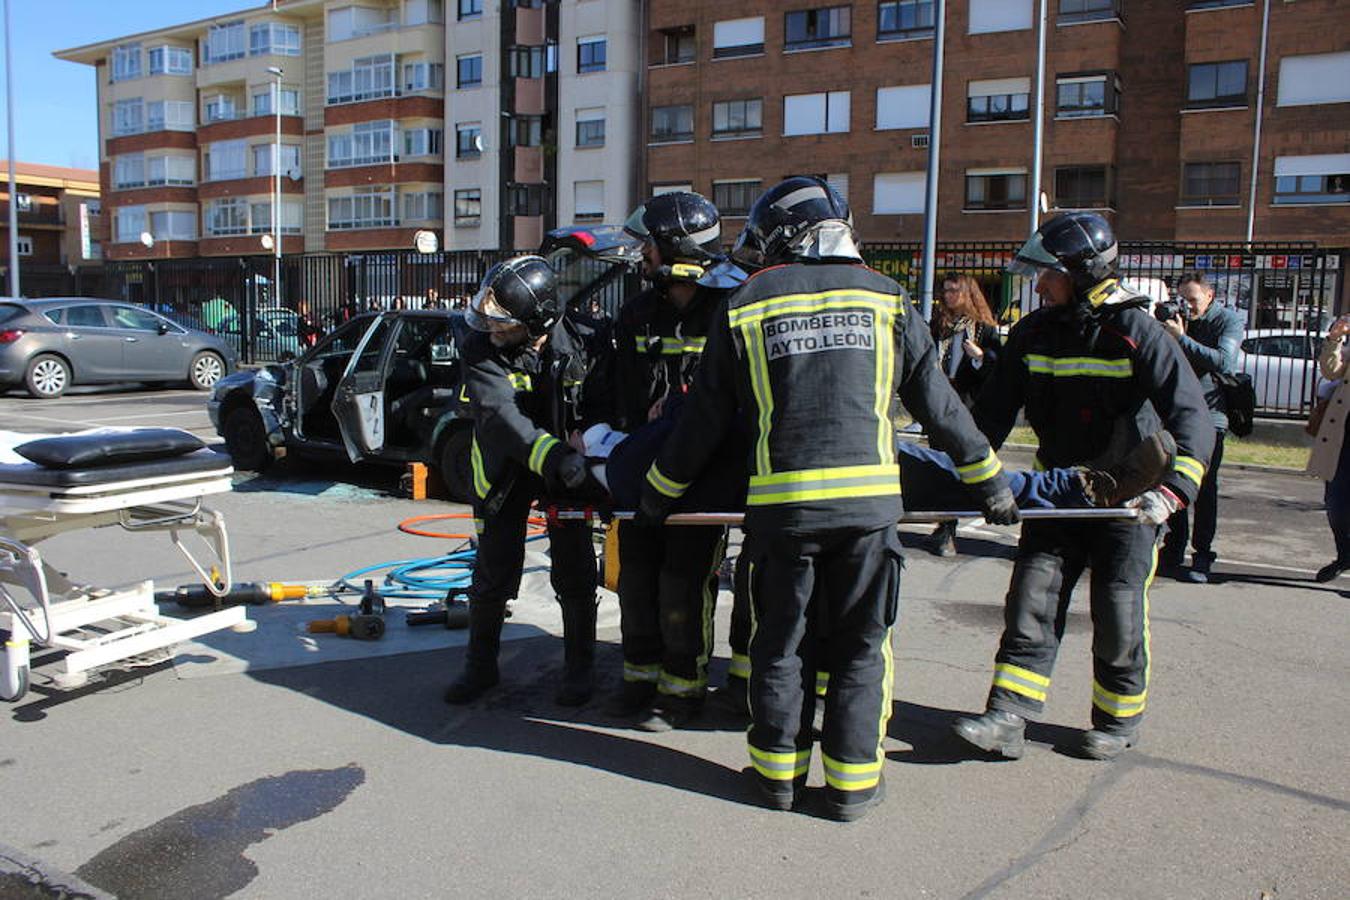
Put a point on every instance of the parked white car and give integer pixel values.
(1283, 365)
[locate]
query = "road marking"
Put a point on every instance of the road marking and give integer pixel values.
(157, 415)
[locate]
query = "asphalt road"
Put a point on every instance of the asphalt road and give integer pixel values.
(352, 779)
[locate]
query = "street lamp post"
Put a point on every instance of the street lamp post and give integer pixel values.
(276, 74)
(13, 202)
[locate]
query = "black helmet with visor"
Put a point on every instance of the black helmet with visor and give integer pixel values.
(522, 290)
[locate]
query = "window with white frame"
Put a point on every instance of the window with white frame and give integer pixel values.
(738, 118)
(1316, 78)
(423, 206)
(1084, 96)
(1312, 179)
(347, 22)
(129, 171)
(898, 193)
(471, 9)
(170, 60)
(223, 43)
(998, 100)
(999, 15)
(469, 71)
(173, 225)
(903, 106)
(589, 203)
(227, 217)
(733, 198)
(23, 202)
(468, 140)
(591, 127)
(226, 160)
(591, 54)
(129, 223)
(468, 207)
(219, 108)
(262, 159)
(366, 144)
(423, 76)
(174, 170)
(816, 113)
(528, 61)
(129, 116)
(423, 12)
(262, 101)
(738, 37)
(423, 142)
(260, 216)
(24, 245)
(371, 208)
(274, 38)
(171, 115)
(996, 189)
(368, 78)
(126, 62)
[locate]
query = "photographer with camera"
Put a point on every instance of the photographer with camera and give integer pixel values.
(1209, 334)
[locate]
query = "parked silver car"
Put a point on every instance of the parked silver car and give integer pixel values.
(49, 344)
(1283, 366)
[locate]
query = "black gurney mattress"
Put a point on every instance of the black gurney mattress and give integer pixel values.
(199, 463)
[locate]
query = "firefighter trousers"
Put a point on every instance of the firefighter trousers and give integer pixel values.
(1051, 557)
(821, 603)
(667, 595)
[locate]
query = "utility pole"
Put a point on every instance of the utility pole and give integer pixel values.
(13, 188)
(934, 158)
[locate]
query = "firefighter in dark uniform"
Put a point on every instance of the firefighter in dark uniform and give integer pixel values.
(667, 575)
(1094, 372)
(815, 347)
(533, 373)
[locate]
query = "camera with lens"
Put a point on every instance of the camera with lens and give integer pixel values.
(1167, 310)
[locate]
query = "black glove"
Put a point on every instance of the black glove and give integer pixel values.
(999, 505)
(564, 469)
(653, 507)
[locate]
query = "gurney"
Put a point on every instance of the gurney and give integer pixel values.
(97, 626)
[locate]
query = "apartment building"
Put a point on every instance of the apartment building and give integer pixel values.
(350, 102)
(1150, 112)
(59, 216)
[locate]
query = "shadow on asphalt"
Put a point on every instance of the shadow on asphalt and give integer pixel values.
(982, 548)
(928, 731)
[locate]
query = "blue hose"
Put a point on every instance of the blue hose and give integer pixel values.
(422, 578)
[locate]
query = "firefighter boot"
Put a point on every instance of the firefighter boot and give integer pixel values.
(996, 731)
(1107, 746)
(633, 698)
(672, 712)
(578, 652)
(1141, 470)
(480, 662)
(849, 806)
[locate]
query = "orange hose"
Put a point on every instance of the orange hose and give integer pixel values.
(535, 526)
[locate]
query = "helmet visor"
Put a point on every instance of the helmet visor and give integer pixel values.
(1033, 258)
(748, 253)
(487, 315)
(633, 224)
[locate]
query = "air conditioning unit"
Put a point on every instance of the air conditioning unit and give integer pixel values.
(919, 141)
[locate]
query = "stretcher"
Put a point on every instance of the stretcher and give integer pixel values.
(734, 519)
(97, 626)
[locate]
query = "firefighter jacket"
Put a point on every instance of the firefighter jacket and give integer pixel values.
(524, 402)
(815, 355)
(657, 350)
(1095, 381)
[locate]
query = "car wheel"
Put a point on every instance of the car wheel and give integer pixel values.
(455, 466)
(47, 376)
(246, 439)
(205, 370)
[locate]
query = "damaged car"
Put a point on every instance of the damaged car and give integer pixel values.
(385, 387)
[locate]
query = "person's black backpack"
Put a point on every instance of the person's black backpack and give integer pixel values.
(1240, 397)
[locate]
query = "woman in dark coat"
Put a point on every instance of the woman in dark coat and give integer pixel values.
(968, 344)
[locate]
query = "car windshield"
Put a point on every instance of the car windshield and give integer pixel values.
(577, 273)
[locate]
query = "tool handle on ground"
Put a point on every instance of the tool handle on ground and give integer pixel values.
(727, 518)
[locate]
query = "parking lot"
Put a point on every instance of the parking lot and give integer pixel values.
(280, 764)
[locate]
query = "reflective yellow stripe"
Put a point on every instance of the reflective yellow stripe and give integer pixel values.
(822, 683)
(885, 383)
(666, 486)
(1085, 366)
(669, 346)
(710, 584)
(763, 393)
(980, 471)
(675, 686)
(1102, 291)
(888, 304)
(520, 381)
(481, 485)
(740, 666)
(639, 672)
(1190, 467)
(1122, 706)
(780, 766)
(824, 484)
(1020, 681)
(539, 452)
(477, 526)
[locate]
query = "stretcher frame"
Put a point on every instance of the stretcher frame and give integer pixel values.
(736, 519)
(94, 626)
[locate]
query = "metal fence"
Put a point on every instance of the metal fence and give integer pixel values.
(1288, 294)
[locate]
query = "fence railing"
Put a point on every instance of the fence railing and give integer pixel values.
(1288, 293)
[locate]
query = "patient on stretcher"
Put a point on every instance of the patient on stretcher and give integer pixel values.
(929, 481)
